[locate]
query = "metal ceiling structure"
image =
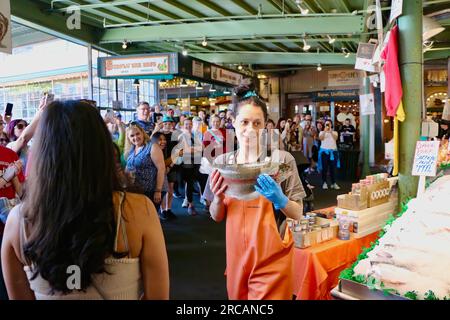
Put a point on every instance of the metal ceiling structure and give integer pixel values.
(256, 32)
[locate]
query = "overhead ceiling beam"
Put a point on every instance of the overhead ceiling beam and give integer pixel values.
(276, 58)
(162, 11)
(105, 13)
(437, 54)
(128, 10)
(214, 7)
(185, 8)
(289, 39)
(230, 29)
(244, 5)
(32, 14)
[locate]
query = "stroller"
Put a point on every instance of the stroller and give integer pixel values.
(308, 201)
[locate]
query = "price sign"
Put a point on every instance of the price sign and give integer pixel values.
(425, 158)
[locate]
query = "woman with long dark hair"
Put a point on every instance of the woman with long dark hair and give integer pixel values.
(259, 247)
(77, 235)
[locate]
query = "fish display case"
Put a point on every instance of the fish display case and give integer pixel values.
(411, 258)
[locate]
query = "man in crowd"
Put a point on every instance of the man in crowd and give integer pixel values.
(157, 115)
(144, 117)
(347, 132)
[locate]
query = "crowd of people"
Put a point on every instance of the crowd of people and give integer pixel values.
(91, 191)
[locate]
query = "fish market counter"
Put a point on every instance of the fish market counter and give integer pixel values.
(317, 268)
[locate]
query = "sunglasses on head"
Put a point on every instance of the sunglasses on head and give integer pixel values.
(133, 124)
(20, 126)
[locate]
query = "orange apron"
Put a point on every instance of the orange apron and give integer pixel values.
(259, 262)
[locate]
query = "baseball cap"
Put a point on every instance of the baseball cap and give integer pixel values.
(167, 118)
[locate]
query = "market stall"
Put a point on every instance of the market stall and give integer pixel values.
(329, 240)
(411, 259)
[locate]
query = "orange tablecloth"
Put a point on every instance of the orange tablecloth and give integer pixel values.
(316, 269)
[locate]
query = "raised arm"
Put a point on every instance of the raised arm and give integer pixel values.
(153, 258)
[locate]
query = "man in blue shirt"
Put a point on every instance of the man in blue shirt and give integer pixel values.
(143, 117)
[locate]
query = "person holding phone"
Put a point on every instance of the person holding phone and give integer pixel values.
(20, 133)
(328, 155)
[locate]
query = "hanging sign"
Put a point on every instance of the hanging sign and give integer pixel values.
(197, 69)
(396, 9)
(226, 76)
(338, 78)
(364, 57)
(426, 158)
(136, 66)
(367, 104)
(5, 27)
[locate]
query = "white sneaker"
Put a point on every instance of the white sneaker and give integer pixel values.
(185, 203)
(335, 186)
(325, 186)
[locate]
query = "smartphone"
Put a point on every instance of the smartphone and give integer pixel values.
(50, 98)
(8, 109)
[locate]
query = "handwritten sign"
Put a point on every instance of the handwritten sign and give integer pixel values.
(425, 158)
(364, 57)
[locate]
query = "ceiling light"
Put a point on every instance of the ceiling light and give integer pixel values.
(136, 83)
(306, 46)
(331, 40)
(204, 42)
(183, 84)
(319, 67)
(199, 86)
(303, 11)
(124, 44)
(184, 52)
(226, 91)
(212, 88)
(240, 67)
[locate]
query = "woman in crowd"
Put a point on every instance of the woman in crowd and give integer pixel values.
(172, 169)
(295, 137)
(214, 144)
(309, 135)
(259, 250)
(328, 155)
(192, 151)
(4, 140)
(76, 235)
(145, 163)
(15, 130)
(283, 129)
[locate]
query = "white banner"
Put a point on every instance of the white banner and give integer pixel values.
(136, 66)
(338, 78)
(5, 27)
(367, 103)
(396, 9)
(226, 76)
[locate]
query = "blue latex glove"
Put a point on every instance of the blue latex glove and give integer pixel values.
(272, 191)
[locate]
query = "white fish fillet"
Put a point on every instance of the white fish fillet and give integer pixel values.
(414, 253)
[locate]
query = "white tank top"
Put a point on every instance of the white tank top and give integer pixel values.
(124, 281)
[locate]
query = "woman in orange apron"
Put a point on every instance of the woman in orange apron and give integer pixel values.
(259, 255)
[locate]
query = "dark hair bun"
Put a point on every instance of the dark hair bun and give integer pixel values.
(243, 89)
